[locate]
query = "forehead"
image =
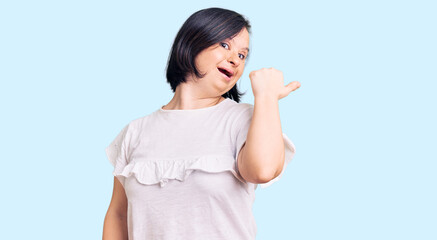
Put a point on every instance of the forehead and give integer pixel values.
(241, 39)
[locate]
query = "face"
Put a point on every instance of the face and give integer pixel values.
(223, 64)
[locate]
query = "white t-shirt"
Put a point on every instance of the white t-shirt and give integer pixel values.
(180, 175)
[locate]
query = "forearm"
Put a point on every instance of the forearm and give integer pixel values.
(264, 153)
(115, 227)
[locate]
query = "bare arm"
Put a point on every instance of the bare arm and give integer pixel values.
(262, 156)
(115, 224)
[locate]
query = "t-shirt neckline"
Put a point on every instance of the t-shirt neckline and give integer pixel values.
(193, 110)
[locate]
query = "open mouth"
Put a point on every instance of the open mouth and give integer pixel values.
(225, 72)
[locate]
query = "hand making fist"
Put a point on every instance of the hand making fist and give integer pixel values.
(270, 81)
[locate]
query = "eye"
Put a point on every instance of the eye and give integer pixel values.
(241, 56)
(225, 45)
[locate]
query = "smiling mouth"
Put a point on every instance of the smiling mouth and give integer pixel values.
(225, 72)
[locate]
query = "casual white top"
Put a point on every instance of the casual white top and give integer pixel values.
(179, 171)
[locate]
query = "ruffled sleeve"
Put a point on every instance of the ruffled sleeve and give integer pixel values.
(243, 124)
(116, 152)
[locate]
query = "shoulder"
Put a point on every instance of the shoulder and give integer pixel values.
(238, 109)
(240, 115)
(135, 126)
(140, 122)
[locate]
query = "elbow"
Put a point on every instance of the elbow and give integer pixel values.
(259, 174)
(268, 176)
(263, 180)
(258, 177)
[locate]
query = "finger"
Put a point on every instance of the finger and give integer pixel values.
(293, 86)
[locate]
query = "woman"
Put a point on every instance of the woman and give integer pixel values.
(189, 170)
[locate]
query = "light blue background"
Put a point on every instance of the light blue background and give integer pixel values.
(73, 73)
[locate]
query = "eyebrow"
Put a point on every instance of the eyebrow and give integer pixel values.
(247, 49)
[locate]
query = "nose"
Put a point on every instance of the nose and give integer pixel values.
(234, 59)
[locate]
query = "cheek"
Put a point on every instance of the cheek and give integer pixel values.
(219, 56)
(202, 63)
(241, 68)
(239, 74)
